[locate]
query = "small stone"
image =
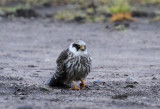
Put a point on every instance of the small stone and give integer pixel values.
(131, 80)
(14, 70)
(154, 78)
(97, 81)
(31, 66)
(125, 75)
(22, 98)
(25, 107)
(144, 98)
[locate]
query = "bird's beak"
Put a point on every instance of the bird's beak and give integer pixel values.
(82, 48)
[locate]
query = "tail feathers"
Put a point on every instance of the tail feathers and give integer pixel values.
(54, 81)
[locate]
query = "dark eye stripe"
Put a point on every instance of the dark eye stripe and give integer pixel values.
(76, 46)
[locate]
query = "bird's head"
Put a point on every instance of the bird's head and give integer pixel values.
(78, 48)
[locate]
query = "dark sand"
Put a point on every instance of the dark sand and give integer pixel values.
(29, 48)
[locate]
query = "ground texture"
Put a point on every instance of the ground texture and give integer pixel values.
(29, 48)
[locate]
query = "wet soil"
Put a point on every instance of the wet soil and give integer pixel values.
(29, 48)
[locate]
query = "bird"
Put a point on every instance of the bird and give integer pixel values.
(73, 64)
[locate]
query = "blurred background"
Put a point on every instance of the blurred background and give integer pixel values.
(82, 10)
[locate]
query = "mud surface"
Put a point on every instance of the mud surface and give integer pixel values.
(29, 48)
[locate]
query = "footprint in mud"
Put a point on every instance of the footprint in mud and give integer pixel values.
(32, 66)
(20, 91)
(120, 96)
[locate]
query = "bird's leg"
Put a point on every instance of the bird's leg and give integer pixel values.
(75, 87)
(82, 84)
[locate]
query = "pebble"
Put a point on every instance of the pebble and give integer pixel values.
(154, 78)
(125, 75)
(131, 80)
(25, 107)
(97, 81)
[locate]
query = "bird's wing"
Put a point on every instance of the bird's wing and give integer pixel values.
(61, 63)
(57, 78)
(62, 57)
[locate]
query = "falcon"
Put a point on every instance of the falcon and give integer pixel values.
(73, 64)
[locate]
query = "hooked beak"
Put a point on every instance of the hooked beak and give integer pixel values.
(82, 48)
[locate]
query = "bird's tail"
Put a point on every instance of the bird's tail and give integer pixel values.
(54, 81)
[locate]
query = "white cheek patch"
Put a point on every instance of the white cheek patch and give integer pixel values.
(74, 51)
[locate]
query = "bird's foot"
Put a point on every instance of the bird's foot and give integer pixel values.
(75, 87)
(82, 84)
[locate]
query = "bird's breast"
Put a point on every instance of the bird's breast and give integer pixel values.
(78, 67)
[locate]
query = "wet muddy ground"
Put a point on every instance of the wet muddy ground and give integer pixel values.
(29, 48)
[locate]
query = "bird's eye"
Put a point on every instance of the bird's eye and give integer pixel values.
(76, 46)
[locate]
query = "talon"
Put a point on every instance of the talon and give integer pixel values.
(75, 87)
(82, 84)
